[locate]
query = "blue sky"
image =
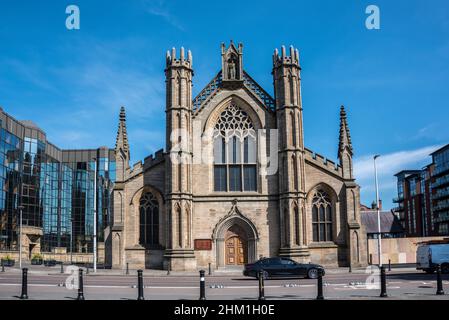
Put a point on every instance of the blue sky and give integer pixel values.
(393, 81)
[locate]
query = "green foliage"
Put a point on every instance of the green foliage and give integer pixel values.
(37, 256)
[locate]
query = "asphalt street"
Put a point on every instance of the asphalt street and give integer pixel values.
(49, 284)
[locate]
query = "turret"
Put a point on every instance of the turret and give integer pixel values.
(287, 89)
(179, 74)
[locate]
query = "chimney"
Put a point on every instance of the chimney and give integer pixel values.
(380, 205)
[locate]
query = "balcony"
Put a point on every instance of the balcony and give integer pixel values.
(442, 217)
(441, 182)
(398, 199)
(441, 205)
(441, 194)
(440, 170)
(398, 209)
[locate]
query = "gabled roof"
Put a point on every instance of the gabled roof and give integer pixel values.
(388, 222)
(216, 85)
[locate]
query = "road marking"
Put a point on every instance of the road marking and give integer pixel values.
(148, 287)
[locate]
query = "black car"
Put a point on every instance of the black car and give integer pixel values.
(282, 267)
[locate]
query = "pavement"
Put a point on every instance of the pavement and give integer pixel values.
(47, 283)
(233, 271)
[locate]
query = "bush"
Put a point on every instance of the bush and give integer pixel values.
(7, 258)
(37, 256)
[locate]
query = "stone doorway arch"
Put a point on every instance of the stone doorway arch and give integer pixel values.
(235, 227)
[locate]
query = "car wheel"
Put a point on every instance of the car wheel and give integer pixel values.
(445, 268)
(312, 273)
(429, 271)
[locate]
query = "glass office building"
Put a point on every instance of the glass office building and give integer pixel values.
(53, 188)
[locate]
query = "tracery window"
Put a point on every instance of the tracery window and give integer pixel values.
(322, 217)
(149, 220)
(234, 152)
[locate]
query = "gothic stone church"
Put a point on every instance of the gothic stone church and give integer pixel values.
(251, 199)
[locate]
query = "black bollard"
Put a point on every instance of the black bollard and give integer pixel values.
(62, 267)
(439, 281)
(87, 270)
(127, 268)
(210, 268)
(3, 267)
(80, 285)
(24, 294)
(261, 285)
(202, 285)
(389, 265)
(370, 258)
(320, 295)
(168, 270)
(140, 285)
(383, 283)
(350, 268)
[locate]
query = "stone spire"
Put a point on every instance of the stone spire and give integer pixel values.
(122, 137)
(345, 137)
(345, 151)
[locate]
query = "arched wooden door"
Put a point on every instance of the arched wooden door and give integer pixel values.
(236, 247)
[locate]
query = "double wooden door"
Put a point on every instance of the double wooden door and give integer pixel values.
(235, 251)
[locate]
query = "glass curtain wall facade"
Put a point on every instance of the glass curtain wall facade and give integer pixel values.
(440, 190)
(54, 187)
(10, 162)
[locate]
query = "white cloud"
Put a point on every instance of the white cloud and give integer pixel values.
(387, 166)
(159, 8)
(30, 72)
(390, 164)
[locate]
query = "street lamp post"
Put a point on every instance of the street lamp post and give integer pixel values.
(20, 235)
(95, 215)
(71, 240)
(379, 234)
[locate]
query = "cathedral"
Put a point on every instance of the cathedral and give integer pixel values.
(235, 182)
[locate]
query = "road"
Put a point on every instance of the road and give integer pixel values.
(50, 285)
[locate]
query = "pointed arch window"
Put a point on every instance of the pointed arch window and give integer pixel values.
(149, 221)
(234, 152)
(322, 217)
(296, 212)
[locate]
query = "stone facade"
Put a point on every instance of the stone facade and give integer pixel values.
(306, 209)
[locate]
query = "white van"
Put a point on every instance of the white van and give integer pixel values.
(429, 255)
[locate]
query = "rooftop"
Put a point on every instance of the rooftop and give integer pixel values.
(388, 222)
(444, 148)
